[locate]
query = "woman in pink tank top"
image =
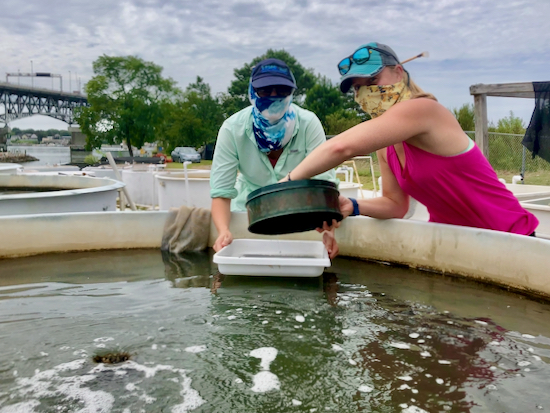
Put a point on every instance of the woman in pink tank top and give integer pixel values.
(422, 151)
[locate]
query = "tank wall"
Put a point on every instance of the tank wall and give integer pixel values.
(172, 193)
(509, 260)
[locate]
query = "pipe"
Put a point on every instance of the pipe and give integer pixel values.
(187, 195)
(117, 174)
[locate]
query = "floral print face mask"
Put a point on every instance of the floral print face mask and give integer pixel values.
(377, 99)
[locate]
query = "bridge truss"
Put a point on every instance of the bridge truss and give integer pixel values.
(22, 101)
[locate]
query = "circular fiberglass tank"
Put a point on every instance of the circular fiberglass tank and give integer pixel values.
(40, 194)
(294, 206)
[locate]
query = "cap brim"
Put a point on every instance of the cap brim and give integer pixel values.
(363, 71)
(272, 81)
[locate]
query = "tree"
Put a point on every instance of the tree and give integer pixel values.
(125, 97)
(327, 101)
(510, 124)
(341, 121)
(193, 119)
(465, 117)
(237, 96)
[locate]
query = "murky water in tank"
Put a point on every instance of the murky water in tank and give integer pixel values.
(364, 337)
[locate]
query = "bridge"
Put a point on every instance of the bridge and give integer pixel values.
(22, 101)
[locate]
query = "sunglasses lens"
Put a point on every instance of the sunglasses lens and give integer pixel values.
(280, 90)
(344, 66)
(361, 56)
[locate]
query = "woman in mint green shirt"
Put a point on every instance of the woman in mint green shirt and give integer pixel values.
(263, 142)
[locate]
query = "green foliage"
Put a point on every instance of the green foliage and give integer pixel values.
(509, 124)
(465, 117)
(193, 119)
(237, 96)
(341, 121)
(91, 159)
(336, 111)
(125, 96)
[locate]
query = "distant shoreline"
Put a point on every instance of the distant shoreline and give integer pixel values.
(8, 157)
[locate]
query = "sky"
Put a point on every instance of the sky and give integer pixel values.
(468, 41)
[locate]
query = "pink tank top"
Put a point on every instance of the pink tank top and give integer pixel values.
(460, 190)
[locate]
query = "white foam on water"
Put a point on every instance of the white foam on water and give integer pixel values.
(348, 332)
(265, 322)
(297, 326)
(494, 343)
(443, 361)
(491, 387)
(195, 349)
(130, 387)
(483, 323)
(352, 362)
(527, 336)
(43, 354)
(439, 381)
(404, 387)
(524, 363)
(239, 310)
(405, 378)
(420, 341)
(232, 317)
(266, 354)
(238, 381)
(101, 345)
(414, 391)
(428, 375)
(403, 346)
(103, 339)
(300, 318)
(278, 312)
(425, 354)
(300, 336)
(154, 347)
(414, 335)
(413, 409)
(537, 358)
(23, 407)
(365, 389)
(296, 402)
(336, 347)
(265, 381)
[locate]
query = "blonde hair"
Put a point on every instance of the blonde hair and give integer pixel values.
(416, 90)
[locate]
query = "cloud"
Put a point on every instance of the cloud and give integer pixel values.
(469, 41)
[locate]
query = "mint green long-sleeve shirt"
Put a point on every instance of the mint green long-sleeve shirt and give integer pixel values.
(236, 151)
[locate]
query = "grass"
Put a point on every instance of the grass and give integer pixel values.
(178, 165)
(540, 177)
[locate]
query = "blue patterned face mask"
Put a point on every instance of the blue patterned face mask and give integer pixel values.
(273, 120)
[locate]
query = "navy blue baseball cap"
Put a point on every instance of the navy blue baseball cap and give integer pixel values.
(272, 72)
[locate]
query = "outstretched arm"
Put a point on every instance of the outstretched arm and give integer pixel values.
(404, 121)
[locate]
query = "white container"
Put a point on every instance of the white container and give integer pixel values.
(173, 190)
(350, 189)
(541, 209)
(277, 258)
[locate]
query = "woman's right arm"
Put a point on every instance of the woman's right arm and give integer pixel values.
(221, 215)
(222, 185)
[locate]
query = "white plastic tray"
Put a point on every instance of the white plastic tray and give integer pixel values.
(280, 258)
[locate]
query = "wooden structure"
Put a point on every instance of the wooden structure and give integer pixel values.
(480, 93)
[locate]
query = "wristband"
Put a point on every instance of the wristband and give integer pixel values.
(288, 176)
(355, 207)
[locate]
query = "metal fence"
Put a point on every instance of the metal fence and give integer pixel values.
(506, 153)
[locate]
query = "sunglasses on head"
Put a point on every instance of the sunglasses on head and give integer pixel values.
(359, 57)
(280, 90)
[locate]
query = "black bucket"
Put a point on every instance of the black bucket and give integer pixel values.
(294, 206)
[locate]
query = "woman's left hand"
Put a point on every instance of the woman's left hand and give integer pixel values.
(330, 244)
